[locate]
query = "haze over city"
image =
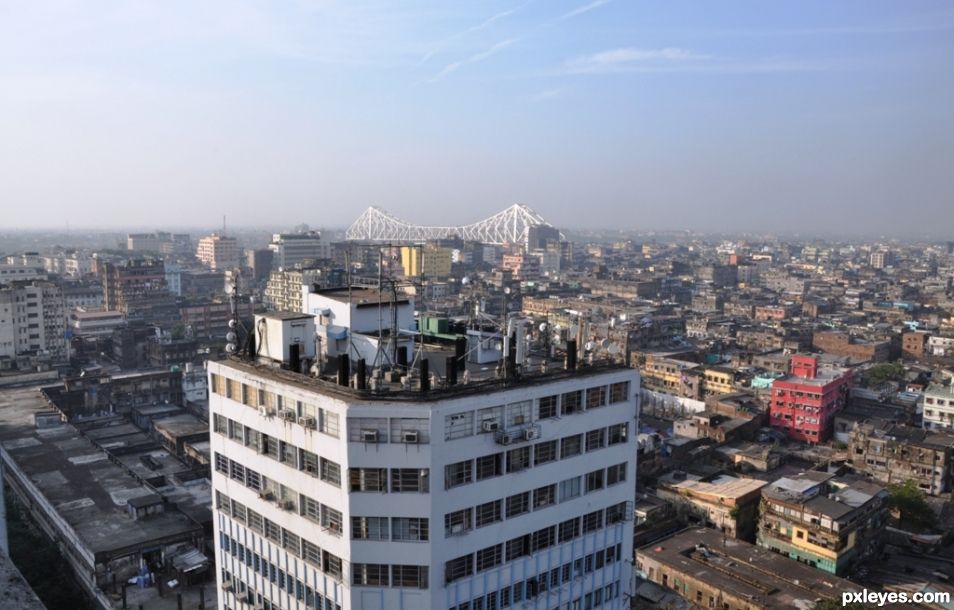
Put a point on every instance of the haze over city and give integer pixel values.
(596, 113)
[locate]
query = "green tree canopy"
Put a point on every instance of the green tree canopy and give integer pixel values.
(915, 513)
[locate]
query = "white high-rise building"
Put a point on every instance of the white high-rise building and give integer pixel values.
(291, 249)
(488, 494)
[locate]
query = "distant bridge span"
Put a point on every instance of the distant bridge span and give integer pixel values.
(508, 226)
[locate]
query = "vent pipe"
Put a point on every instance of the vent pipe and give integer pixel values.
(251, 345)
(425, 376)
(362, 371)
(344, 369)
(294, 357)
(451, 370)
(460, 353)
(571, 354)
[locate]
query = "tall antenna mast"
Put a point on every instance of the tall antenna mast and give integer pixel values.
(223, 225)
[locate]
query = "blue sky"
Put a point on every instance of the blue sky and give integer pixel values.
(771, 116)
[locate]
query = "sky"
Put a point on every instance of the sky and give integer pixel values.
(836, 116)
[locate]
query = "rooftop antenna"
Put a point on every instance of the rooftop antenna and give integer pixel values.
(223, 225)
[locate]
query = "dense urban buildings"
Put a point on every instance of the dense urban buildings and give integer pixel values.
(804, 403)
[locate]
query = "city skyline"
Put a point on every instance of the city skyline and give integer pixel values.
(657, 116)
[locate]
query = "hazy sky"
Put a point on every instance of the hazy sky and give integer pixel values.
(597, 113)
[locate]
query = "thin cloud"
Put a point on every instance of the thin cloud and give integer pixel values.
(476, 57)
(623, 59)
(586, 8)
(474, 28)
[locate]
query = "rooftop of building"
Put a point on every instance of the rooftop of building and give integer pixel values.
(945, 390)
(911, 435)
(823, 492)
(79, 481)
(720, 487)
(475, 379)
(363, 296)
(744, 570)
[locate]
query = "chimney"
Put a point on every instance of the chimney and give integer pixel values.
(571, 355)
(362, 371)
(344, 369)
(425, 376)
(460, 352)
(451, 372)
(294, 357)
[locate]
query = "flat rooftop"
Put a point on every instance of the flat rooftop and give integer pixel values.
(482, 379)
(745, 570)
(363, 296)
(84, 487)
(723, 486)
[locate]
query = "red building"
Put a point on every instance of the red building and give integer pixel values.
(805, 402)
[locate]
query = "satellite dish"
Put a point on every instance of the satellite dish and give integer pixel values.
(605, 343)
(613, 349)
(543, 327)
(589, 346)
(465, 281)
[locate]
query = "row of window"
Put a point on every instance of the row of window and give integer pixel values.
(495, 555)
(246, 595)
(396, 529)
(483, 421)
(325, 421)
(280, 451)
(401, 480)
(522, 458)
(506, 597)
(551, 579)
(462, 521)
(383, 575)
(324, 561)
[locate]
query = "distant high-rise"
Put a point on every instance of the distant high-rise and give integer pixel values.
(32, 320)
(292, 249)
(138, 289)
(218, 252)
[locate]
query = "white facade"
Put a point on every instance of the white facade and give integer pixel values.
(32, 319)
(218, 252)
(372, 504)
(293, 248)
(938, 408)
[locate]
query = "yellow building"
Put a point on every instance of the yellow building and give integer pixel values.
(718, 380)
(432, 262)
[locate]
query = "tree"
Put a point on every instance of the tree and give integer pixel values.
(914, 511)
(882, 373)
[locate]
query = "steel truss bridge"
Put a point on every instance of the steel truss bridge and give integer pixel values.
(509, 226)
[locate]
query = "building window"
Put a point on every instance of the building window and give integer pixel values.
(547, 407)
(458, 522)
(310, 509)
(459, 425)
(488, 466)
(490, 414)
(331, 519)
(311, 553)
(544, 452)
(412, 529)
(330, 472)
(616, 513)
(370, 574)
(616, 474)
(518, 459)
(595, 397)
(221, 424)
(542, 539)
(544, 496)
(309, 462)
(332, 564)
(618, 433)
(489, 557)
(595, 439)
(458, 474)
(369, 528)
(409, 576)
(518, 547)
(518, 504)
(488, 513)
(570, 488)
(456, 569)
(570, 446)
(592, 521)
(328, 422)
(272, 531)
(405, 480)
(569, 529)
(571, 402)
(518, 413)
(594, 480)
(291, 542)
(619, 392)
(368, 479)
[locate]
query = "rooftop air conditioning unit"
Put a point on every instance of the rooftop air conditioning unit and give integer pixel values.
(489, 425)
(531, 434)
(409, 436)
(369, 436)
(308, 422)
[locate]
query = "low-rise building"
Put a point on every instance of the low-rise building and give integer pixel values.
(697, 564)
(804, 403)
(826, 522)
(892, 453)
(938, 407)
(724, 502)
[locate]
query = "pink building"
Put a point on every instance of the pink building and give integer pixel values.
(805, 402)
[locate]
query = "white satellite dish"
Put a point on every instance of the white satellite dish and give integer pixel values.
(543, 327)
(588, 346)
(613, 349)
